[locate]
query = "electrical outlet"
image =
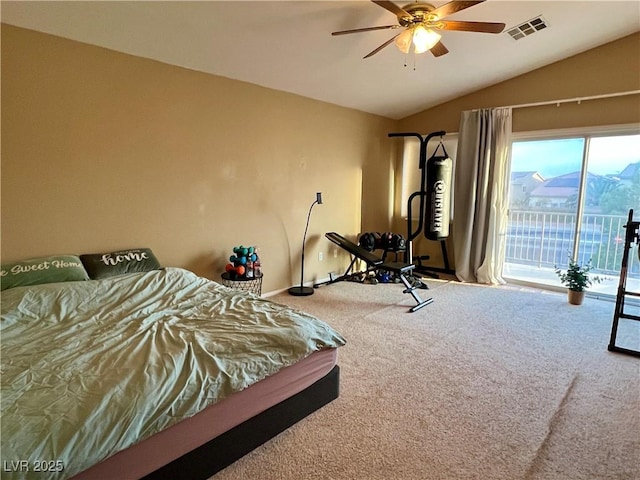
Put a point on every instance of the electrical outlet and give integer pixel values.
(320, 256)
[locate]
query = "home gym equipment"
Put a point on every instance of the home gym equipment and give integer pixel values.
(439, 173)
(434, 199)
(242, 262)
(632, 236)
(387, 241)
(402, 270)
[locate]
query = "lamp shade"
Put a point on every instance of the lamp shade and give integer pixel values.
(424, 39)
(403, 41)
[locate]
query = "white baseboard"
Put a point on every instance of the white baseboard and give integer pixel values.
(306, 284)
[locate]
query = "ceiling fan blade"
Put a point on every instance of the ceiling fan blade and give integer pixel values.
(451, 8)
(393, 8)
(388, 42)
(483, 27)
(439, 49)
(368, 29)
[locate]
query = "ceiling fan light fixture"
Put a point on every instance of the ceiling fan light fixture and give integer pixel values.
(421, 21)
(424, 38)
(404, 40)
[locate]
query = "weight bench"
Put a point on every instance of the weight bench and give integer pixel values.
(372, 260)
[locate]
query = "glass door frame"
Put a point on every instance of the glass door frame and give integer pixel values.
(586, 133)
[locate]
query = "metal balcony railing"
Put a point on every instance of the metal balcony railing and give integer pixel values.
(545, 239)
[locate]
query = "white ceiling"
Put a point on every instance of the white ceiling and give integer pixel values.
(287, 45)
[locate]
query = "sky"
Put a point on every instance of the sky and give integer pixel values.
(550, 158)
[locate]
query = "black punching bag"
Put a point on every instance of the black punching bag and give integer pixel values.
(439, 172)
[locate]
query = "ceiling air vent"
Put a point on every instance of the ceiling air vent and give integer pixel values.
(527, 28)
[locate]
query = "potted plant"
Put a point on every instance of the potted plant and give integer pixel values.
(576, 278)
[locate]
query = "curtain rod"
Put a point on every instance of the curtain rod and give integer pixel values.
(571, 100)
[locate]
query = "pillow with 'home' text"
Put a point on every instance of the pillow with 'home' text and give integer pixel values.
(105, 265)
(36, 271)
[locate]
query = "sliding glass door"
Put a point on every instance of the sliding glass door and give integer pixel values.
(570, 198)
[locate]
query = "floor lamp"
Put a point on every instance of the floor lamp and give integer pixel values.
(301, 290)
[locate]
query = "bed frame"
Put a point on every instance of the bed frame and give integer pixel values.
(222, 451)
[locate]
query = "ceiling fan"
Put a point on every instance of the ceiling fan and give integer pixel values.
(420, 21)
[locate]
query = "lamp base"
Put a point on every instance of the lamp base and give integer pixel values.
(301, 291)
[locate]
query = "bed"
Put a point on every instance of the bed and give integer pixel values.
(156, 373)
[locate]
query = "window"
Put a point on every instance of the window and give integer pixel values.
(574, 202)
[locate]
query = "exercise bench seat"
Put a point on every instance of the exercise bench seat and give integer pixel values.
(372, 260)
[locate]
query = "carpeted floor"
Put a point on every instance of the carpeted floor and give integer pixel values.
(485, 383)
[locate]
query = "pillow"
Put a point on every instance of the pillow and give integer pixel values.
(105, 265)
(59, 268)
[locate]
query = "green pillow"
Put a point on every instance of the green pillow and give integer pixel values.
(58, 268)
(105, 265)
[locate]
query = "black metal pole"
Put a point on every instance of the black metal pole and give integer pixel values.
(422, 193)
(301, 290)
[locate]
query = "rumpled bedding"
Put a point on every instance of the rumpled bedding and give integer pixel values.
(90, 368)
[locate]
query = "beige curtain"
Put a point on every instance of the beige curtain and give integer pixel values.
(481, 197)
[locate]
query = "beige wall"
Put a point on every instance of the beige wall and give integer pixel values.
(102, 150)
(611, 68)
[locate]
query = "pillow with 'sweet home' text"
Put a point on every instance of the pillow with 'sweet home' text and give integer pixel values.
(36, 271)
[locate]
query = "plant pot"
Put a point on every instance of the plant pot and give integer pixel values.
(575, 298)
